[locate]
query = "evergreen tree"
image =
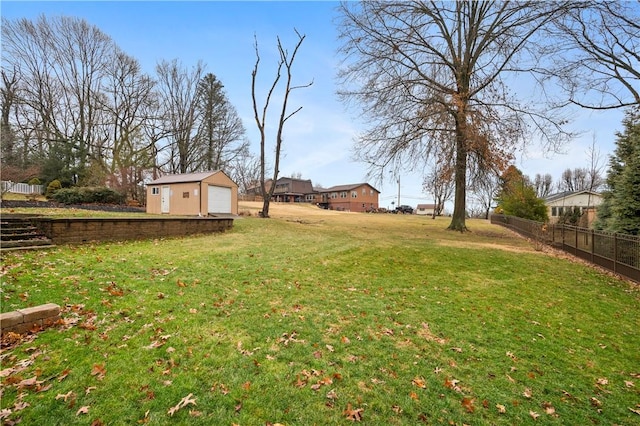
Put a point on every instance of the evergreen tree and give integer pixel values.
(620, 210)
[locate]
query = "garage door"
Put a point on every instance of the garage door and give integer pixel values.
(219, 199)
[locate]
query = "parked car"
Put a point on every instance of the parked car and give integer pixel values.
(404, 209)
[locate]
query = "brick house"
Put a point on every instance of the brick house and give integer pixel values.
(357, 197)
(201, 193)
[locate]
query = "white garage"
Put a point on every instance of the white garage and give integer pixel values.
(219, 199)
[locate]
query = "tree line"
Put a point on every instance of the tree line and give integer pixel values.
(77, 109)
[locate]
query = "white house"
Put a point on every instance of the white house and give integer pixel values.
(425, 209)
(562, 202)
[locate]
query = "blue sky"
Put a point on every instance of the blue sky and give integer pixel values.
(318, 139)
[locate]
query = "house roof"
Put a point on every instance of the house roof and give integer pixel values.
(183, 178)
(348, 187)
(296, 186)
(426, 206)
(565, 194)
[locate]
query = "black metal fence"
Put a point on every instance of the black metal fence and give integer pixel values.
(619, 253)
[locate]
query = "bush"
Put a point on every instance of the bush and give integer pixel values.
(88, 195)
(68, 196)
(34, 181)
(53, 187)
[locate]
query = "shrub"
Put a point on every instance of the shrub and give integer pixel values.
(53, 187)
(34, 181)
(79, 195)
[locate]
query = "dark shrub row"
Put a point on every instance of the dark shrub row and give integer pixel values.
(79, 195)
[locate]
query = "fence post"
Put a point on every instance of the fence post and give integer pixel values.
(592, 245)
(615, 252)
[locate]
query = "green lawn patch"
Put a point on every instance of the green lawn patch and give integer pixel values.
(322, 319)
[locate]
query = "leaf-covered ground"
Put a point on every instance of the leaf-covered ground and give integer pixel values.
(316, 317)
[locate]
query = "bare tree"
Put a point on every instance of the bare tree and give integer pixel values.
(61, 63)
(581, 179)
(131, 106)
(543, 184)
(600, 66)
(429, 73)
(178, 93)
(286, 61)
(8, 99)
(485, 189)
(595, 172)
(244, 169)
(439, 181)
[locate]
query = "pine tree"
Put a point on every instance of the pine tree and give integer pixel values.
(620, 210)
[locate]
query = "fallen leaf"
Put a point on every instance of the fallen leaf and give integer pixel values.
(28, 383)
(467, 403)
(634, 411)
(99, 371)
(413, 395)
(419, 382)
(629, 383)
(452, 384)
(501, 408)
(332, 394)
(534, 415)
(602, 381)
(595, 402)
(527, 393)
(65, 396)
(355, 415)
(20, 405)
(83, 410)
(187, 400)
(88, 390)
(64, 375)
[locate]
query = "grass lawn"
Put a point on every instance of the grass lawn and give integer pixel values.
(320, 317)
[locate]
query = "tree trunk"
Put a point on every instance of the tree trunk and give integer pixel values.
(459, 207)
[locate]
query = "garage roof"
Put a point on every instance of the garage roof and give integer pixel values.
(182, 178)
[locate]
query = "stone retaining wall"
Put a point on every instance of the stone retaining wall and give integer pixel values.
(29, 319)
(84, 230)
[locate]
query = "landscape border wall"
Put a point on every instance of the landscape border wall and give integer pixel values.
(85, 230)
(31, 319)
(618, 253)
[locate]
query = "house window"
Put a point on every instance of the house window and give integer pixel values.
(354, 194)
(334, 195)
(185, 195)
(343, 194)
(371, 192)
(554, 211)
(155, 190)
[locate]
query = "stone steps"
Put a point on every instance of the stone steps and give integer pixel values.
(20, 234)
